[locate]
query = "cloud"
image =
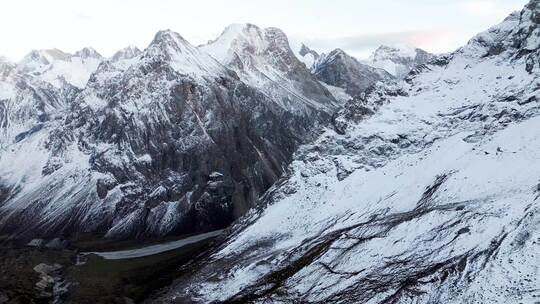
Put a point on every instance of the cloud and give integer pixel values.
(362, 45)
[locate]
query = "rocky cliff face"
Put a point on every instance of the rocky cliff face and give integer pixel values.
(308, 56)
(164, 141)
(429, 194)
(127, 53)
(341, 70)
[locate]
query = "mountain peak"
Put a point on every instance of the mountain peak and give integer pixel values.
(88, 52)
(277, 38)
(308, 56)
(169, 46)
(387, 51)
(247, 40)
(128, 52)
(169, 38)
(234, 39)
(338, 52)
(236, 28)
(304, 50)
(45, 56)
(37, 59)
(398, 60)
(342, 70)
(57, 68)
(170, 43)
(263, 55)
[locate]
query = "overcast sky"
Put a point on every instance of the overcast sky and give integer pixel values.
(357, 26)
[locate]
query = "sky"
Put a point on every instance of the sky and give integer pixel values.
(357, 26)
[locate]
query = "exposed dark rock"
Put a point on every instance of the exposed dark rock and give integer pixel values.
(344, 71)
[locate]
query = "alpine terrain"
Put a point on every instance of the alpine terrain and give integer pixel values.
(171, 140)
(428, 194)
(247, 171)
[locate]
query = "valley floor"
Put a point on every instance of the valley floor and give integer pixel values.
(40, 275)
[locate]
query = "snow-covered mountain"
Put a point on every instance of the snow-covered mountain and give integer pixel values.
(398, 61)
(263, 58)
(126, 53)
(164, 141)
(26, 102)
(341, 70)
(358, 187)
(428, 194)
(57, 68)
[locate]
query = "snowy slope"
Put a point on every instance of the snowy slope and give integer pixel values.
(428, 194)
(56, 67)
